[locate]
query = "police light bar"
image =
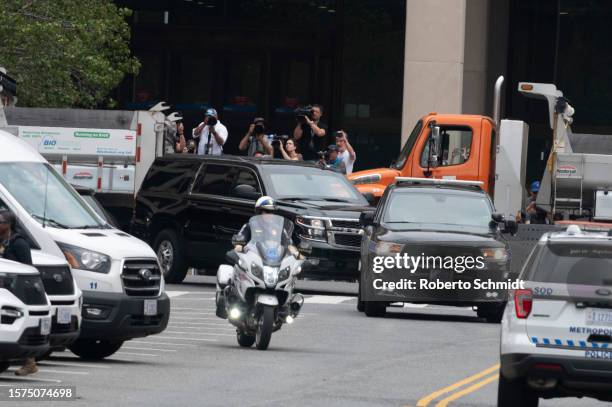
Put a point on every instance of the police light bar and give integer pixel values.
(435, 181)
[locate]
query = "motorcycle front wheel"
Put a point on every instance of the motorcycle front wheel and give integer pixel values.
(245, 340)
(264, 328)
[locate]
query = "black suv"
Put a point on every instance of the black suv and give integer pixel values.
(189, 207)
(435, 219)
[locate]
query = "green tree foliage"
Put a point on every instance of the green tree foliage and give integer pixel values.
(65, 53)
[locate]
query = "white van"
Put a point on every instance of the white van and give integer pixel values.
(123, 289)
(25, 321)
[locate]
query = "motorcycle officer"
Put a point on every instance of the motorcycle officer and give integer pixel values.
(264, 206)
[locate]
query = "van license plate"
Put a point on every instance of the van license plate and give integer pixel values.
(63, 315)
(45, 326)
(598, 317)
(150, 307)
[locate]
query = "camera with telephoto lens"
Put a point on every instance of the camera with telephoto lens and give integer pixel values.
(259, 126)
(323, 155)
(277, 139)
(302, 112)
(212, 120)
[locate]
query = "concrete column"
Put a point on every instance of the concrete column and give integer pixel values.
(475, 57)
(445, 59)
(433, 59)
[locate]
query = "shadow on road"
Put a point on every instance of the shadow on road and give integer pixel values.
(50, 359)
(434, 317)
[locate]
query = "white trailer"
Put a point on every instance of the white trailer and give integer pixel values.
(109, 151)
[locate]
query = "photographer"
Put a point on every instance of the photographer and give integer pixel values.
(211, 134)
(330, 159)
(345, 151)
(310, 131)
(289, 151)
(256, 140)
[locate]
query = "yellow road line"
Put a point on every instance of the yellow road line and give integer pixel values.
(427, 399)
(467, 390)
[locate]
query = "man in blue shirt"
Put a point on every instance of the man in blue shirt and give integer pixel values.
(333, 160)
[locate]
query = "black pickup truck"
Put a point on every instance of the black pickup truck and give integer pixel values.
(189, 207)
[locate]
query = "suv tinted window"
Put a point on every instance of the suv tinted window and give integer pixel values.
(171, 177)
(247, 177)
(215, 179)
(571, 263)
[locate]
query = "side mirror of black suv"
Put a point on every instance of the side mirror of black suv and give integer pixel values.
(245, 191)
(366, 218)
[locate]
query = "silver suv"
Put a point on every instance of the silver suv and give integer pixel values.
(556, 338)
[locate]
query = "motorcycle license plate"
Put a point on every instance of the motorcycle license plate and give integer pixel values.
(45, 326)
(63, 315)
(150, 307)
(596, 316)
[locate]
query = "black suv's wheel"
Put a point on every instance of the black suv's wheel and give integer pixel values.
(513, 393)
(375, 308)
(360, 302)
(171, 256)
(4, 366)
(493, 313)
(94, 349)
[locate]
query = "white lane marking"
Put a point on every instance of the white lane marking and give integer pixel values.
(194, 313)
(174, 294)
(190, 339)
(75, 364)
(135, 354)
(200, 333)
(408, 305)
(153, 349)
(194, 299)
(195, 319)
(163, 343)
(190, 309)
(195, 325)
(200, 323)
(327, 299)
(26, 379)
(61, 371)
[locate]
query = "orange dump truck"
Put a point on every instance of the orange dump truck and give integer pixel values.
(576, 182)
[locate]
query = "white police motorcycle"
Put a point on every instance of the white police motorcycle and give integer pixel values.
(256, 294)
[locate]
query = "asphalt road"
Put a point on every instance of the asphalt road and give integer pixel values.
(330, 356)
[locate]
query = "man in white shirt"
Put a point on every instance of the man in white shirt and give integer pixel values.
(211, 134)
(345, 151)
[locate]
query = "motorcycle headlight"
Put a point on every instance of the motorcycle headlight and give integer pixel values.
(84, 259)
(270, 275)
(498, 254)
(257, 271)
(284, 274)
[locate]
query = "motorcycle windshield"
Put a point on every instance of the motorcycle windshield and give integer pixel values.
(271, 234)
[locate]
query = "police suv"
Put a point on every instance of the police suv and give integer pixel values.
(556, 338)
(25, 320)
